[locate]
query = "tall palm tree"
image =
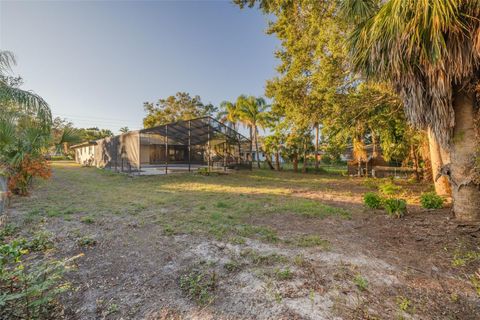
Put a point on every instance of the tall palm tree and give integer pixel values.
(252, 112)
(430, 51)
(228, 114)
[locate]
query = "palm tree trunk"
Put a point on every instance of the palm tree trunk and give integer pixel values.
(295, 162)
(257, 153)
(442, 185)
(466, 189)
(415, 162)
(427, 163)
(317, 134)
(251, 142)
(268, 159)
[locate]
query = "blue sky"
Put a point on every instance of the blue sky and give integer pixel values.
(97, 62)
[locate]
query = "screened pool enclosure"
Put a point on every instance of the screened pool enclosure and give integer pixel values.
(179, 146)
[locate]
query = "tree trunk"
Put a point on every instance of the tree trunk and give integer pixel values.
(317, 134)
(257, 153)
(466, 189)
(295, 163)
(442, 185)
(415, 162)
(427, 163)
(277, 161)
(251, 143)
(268, 159)
(374, 145)
(304, 167)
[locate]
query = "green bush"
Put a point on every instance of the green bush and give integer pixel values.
(372, 200)
(431, 200)
(395, 207)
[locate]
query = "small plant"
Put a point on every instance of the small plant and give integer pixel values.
(461, 259)
(87, 220)
(28, 288)
(199, 286)
(168, 230)
(360, 282)
(284, 274)
(7, 231)
(372, 200)
(41, 241)
(404, 304)
(395, 207)
(389, 188)
(431, 200)
(232, 266)
(86, 241)
(112, 308)
(475, 280)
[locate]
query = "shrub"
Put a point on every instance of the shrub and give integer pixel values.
(431, 200)
(395, 207)
(372, 200)
(23, 173)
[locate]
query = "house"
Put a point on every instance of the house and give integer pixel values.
(182, 145)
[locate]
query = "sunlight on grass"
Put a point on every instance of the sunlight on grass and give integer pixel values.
(218, 206)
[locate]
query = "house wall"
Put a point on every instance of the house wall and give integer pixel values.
(85, 155)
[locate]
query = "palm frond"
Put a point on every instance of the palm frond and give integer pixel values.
(7, 60)
(425, 48)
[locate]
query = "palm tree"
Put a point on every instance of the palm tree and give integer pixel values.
(228, 114)
(124, 129)
(430, 51)
(252, 112)
(28, 102)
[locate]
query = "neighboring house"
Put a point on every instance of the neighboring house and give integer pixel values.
(260, 154)
(85, 153)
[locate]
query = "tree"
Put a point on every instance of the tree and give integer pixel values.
(228, 114)
(64, 135)
(174, 108)
(429, 51)
(94, 133)
(25, 123)
(124, 129)
(22, 101)
(252, 112)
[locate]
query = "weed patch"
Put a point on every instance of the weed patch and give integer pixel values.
(307, 241)
(199, 285)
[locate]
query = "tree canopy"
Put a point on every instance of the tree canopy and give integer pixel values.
(181, 106)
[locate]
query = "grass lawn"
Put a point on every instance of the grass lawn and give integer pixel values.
(251, 244)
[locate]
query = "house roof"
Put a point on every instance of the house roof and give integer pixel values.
(200, 130)
(84, 144)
